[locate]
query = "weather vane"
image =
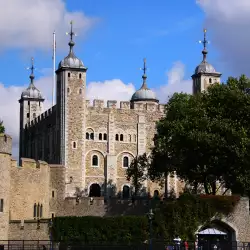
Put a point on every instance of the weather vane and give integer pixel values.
(205, 41)
(71, 33)
(144, 69)
(32, 66)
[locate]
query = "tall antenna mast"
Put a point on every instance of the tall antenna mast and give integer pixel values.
(54, 68)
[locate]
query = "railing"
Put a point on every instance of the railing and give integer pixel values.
(156, 245)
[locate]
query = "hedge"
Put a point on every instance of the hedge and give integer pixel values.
(180, 217)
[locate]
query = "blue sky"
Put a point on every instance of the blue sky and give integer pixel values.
(125, 33)
(113, 38)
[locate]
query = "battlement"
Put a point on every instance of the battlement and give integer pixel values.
(5, 144)
(45, 115)
(31, 163)
(112, 104)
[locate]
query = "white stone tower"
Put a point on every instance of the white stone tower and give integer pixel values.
(71, 113)
(205, 74)
(31, 106)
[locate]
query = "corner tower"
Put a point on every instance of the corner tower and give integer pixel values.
(71, 112)
(205, 74)
(31, 106)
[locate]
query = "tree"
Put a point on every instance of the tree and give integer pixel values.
(206, 138)
(2, 129)
(136, 172)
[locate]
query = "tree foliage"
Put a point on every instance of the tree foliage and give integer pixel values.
(136, 172)
(2, 129)
(206, 138)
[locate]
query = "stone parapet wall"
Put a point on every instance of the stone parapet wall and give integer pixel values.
(45, 115)
(112, 104)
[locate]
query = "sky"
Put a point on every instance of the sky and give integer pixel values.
(112, 39)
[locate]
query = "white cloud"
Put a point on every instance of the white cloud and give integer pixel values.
(228, 22)
(176, 83)
(29, 24)
(108, 90)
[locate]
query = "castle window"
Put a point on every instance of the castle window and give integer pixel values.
(117, 137)
(39, 104)
(34, 211)
(28, 102)
(74, 144)
(52, 216)
(121, 137)
(53, 194)
(134, 138)
(38, 210)
(28, 115)
(80, 76)
(87, 136)
(1, 205)
(125, 162)
(68, 74)
(41, 211)
(129, 138)
(68, 90)
(95, 160)
(34, 115)
(210, 80)
(105, 137)
(80, 91)
(92, 136)
(100, 136)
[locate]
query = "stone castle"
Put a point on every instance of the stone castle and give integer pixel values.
(75, 151)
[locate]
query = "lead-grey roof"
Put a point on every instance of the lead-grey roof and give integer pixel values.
(32, 92)
(204, 67)
(144, 93)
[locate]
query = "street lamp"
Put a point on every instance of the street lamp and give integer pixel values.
(150, 219)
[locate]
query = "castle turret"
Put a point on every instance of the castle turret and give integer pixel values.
(5, 165)
(205, 74)
(71, 112)
(144, 94)
(31, 106)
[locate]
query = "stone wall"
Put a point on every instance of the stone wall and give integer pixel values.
(29, 186)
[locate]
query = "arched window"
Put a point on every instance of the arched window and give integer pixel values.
(129, 138)
(68, 74)
(134, 138)
(105, 137)
(80, 91)
(92, 136)
(34, 211)
(121, 137)
(87, 136)
(38, 210)
(74, 144)
(125, 192)
(80, 76)
(94, 160)
(125, 162)
(210, 80)
(100, 136)
(41, 211)
(117, 137)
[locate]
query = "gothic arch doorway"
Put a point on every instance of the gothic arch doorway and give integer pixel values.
(156, 193)
(95, 190)
(125, 192)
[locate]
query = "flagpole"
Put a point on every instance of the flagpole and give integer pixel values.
(54, 68)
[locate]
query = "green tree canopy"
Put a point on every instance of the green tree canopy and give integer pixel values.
(2, 129)
(136, 172)
(206, 138)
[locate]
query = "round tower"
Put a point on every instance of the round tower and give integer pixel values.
(5, 165)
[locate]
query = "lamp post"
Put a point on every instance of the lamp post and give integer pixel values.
(150, 219)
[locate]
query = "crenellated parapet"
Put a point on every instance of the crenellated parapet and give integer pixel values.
(31, 163)
(125, 105)
(5, 144)
(45, 115)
